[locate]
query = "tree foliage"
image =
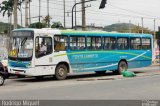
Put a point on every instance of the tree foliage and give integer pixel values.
(7, 6)
(37, 25)
(46, 20)
(57, 25)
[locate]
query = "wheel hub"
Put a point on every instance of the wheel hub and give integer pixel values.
(61, 72)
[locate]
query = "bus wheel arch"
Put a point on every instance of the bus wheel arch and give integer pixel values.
(61, 70)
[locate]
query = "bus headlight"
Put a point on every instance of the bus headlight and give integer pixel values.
(29, 65)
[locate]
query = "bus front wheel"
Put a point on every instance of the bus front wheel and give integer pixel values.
(61, 72)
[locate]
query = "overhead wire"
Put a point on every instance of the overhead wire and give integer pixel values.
(139, 15)
(114, 14)
(129, 10)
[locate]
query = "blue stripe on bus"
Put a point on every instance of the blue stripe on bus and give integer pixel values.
(22, 64)
(107, 60)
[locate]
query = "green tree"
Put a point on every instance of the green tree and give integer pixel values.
(57, 25)
(37, 25)
(6, 6)
(46, 20)
(11, 6)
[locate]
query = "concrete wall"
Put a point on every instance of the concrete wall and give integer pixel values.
(4, 47)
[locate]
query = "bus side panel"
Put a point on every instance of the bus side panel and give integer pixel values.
(142, 58)
(84, 61)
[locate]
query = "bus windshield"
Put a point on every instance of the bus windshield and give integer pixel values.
(21, 45)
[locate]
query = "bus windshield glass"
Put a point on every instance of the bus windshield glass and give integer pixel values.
(21, 45)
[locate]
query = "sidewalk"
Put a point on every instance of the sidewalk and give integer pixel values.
(140, 72)
(155, 64)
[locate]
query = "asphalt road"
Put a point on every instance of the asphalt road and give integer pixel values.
(87, 87)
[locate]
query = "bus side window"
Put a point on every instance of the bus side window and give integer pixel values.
(77, 43)
(109, 43)
(113, 45)
(59, 46)
(146, 44)
(94, 43)
(73, 43)
(81, 43)
(122, 43)
(60, 43)
(135, 43)
(43, 46)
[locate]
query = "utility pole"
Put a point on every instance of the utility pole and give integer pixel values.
(83, 16)
(29, 11)
(10, 24)
(142, 25)
(39, 12)
(154, 34)
(64, 5)
(26, 13)
(75, 6)
(75, 16)
(130, 26)
(21, 11)
(138, 27)
(154, 41)
(48, 13)
(15, 13)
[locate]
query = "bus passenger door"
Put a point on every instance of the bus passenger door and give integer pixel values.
(43, 55)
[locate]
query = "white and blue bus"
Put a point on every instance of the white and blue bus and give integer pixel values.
(68, 51)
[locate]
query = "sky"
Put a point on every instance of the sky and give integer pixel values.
(116, 11)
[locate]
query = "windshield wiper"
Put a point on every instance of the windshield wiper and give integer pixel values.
(23, 41)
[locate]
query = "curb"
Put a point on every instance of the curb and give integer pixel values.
(118, 77)
(155, 65)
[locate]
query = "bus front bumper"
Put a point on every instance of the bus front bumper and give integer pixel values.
(18, 71)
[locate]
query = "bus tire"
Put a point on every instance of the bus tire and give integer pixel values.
(100, 72)
(61, 72)
(1, 79)
(121, 66)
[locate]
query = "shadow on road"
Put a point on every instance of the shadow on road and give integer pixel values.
(139, 72)
(77, 77)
